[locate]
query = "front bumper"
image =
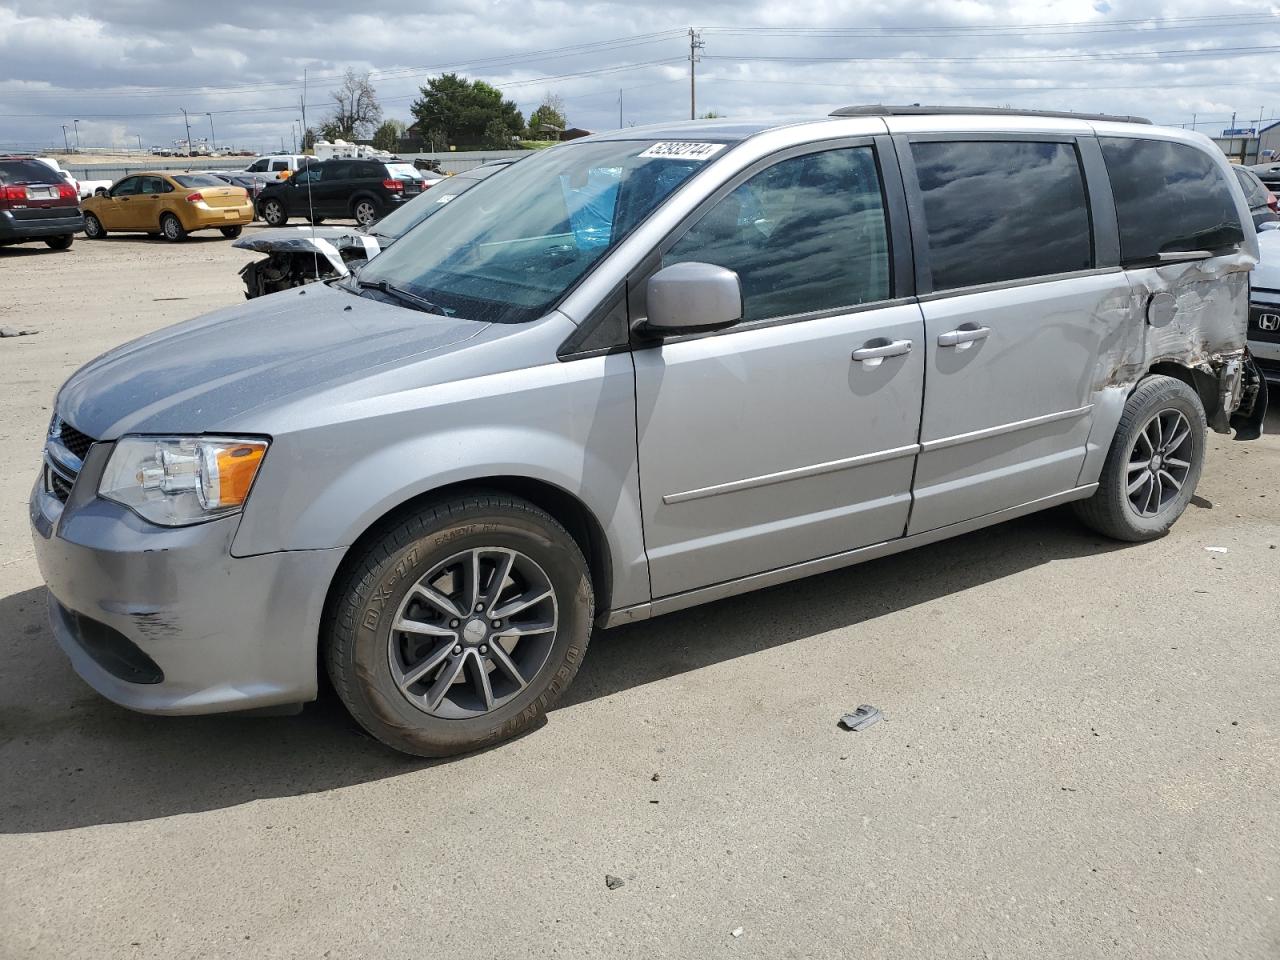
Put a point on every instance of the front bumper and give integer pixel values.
(37, 224)
(1264, 344)
(165, 620)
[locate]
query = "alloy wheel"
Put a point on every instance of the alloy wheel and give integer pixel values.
(365, 213)
(473, 633)
(1159, 462)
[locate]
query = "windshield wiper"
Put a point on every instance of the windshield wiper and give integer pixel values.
(404, 296)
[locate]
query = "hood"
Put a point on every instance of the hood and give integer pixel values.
(198, 375)
(1267, 273)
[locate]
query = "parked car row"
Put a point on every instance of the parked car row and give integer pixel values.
(298, 257)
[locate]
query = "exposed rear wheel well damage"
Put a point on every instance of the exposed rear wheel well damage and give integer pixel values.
(567, 509)
(1204, 384)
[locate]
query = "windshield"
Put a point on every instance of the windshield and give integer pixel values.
(403, 219)
(509, 248)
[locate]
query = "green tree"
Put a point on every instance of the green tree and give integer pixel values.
(309, 138)
(549, 114)
(464, 111)
(497, 136)
(387, 137)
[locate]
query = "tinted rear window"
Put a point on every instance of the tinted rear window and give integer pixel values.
(1254, 191)
(1002, 210)
(27, 171)
(1169, 197)
(198, 180)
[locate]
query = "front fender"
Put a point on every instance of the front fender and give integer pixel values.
(570, 425)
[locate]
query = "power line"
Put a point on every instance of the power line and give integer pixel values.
(1036, 58)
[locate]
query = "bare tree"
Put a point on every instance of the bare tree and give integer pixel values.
(357, 111)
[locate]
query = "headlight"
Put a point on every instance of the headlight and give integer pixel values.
(175, 481)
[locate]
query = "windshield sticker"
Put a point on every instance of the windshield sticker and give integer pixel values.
(676, 150)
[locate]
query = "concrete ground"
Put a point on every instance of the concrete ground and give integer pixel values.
(1080, 755)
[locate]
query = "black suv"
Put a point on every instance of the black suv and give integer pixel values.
(37, 204)
(364, 189)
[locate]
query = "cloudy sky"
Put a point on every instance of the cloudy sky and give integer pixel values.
(125, 68)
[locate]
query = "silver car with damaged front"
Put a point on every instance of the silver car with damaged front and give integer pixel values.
(635, 373)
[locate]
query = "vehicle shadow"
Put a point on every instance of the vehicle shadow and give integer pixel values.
(70, 759)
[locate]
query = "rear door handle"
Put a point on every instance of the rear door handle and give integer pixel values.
(873, 356)
(956, 338)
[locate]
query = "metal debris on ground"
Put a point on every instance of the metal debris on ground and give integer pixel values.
(1216, 549)
(861, 718)
(15, 332)
(612, 882)
(736, 932)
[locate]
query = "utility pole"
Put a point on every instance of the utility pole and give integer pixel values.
(212, 135)
(67, 145)
(303, 103)
(64, 129)
(76, 124)
(187, 121)
(139, 136)
(696, 43)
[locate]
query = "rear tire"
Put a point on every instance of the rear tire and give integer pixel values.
(93, 228)
(316, 221)
(273, 213)
(468, 692)
(171, 228)
(231, 232)
(1154, 463)
(59, 243)
(365, 211)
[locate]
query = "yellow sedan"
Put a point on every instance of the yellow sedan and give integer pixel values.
(170, 205)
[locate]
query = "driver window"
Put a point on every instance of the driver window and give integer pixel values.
(126, 188)
(805, 235)
(259, 166)
(278, 165)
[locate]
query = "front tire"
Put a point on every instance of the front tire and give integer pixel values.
(274, 214)
(231, 232)
(59, 243)
(1154, 463)
(459, 626)
(93, 228)
(171, 228)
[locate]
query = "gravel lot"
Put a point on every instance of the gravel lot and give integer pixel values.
(1080, 754)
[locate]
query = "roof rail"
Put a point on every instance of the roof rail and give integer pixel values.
(916, 110)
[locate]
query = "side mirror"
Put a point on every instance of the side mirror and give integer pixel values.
(689, 297)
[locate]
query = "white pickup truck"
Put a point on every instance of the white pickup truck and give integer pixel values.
(85, 188)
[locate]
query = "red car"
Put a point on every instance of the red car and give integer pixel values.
(36, 204)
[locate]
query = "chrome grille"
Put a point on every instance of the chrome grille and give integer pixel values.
(64, 455)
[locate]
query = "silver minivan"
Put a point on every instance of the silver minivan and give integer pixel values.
(634, 373)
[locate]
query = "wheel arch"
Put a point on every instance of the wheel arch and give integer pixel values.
(565, 507)
(364, 195)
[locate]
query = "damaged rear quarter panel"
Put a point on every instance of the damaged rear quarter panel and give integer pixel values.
(1207, 328)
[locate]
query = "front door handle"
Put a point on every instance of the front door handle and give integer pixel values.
(873, 356)
(963, 337)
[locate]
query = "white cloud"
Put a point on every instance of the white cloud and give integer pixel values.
(124, 70)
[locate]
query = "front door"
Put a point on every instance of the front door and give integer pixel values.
(792, 435)
(116, 209)
(1017, 316)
